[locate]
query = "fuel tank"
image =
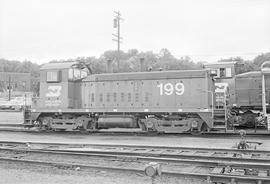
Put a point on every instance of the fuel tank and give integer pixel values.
(117, 121)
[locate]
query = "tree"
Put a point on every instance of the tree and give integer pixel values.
(165, 54)
(261, 58)
(245, 66)
(132, 52)
(17, 66)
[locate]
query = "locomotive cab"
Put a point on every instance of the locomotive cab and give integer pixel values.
(225, 76)
(60, 86)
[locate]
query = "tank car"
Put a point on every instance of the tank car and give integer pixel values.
(163, 101)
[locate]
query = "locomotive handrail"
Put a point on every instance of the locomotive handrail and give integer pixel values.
(81, 64)
(263, 87)
(264, 63)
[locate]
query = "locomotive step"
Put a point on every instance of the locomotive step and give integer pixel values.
(219, 121)
(219, 110)
(219, 116)
(219, 127)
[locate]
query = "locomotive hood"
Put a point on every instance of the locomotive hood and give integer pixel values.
(149, 75)
(249, 74)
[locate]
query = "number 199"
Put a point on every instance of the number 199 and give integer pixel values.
(169, 88)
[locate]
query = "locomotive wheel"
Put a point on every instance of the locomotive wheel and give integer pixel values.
(45, 122)
(150, 124)
(248, 119)
(203, 129)
(82, 123)
(196, 132)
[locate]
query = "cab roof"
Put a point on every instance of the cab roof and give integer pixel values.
(60, 65)
(222, 62)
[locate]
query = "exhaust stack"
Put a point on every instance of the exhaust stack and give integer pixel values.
(109, 66)
(142, 63)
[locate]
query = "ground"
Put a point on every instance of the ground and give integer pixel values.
(32, 174)
(28, 174)
(180, 140)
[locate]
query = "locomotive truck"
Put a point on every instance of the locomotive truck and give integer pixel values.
(164, 101)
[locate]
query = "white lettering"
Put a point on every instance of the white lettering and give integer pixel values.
(169, 89)
(179, 88)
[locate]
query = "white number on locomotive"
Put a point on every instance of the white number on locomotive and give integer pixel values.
(169, 88)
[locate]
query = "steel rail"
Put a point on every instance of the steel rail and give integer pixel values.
(174, 158)
(134, 146)
(206, 176)
(188, 160)
(21, 128)
(11, 125)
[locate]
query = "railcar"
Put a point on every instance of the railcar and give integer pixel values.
(163, 101)
(244, 99)
(248, 101)
(248, 89)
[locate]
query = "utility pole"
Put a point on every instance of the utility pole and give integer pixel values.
(117, 38)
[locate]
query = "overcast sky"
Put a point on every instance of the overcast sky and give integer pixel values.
(43, 30)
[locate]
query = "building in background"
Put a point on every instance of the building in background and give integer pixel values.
(16, 90)
(18, 82)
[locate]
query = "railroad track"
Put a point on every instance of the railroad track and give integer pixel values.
(222, 165)
(21, 128)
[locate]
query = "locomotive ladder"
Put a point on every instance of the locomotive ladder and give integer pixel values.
(27, 116)
(220, 113)
(220, 119)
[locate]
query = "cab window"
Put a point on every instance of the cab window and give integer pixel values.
(222, 72)
(70, 74)
(75, 74)
(53, 76)
(225, 72)
(84, 73)
(228, 72)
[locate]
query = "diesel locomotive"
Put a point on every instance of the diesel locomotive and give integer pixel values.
(214, 98)
(164, 101)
